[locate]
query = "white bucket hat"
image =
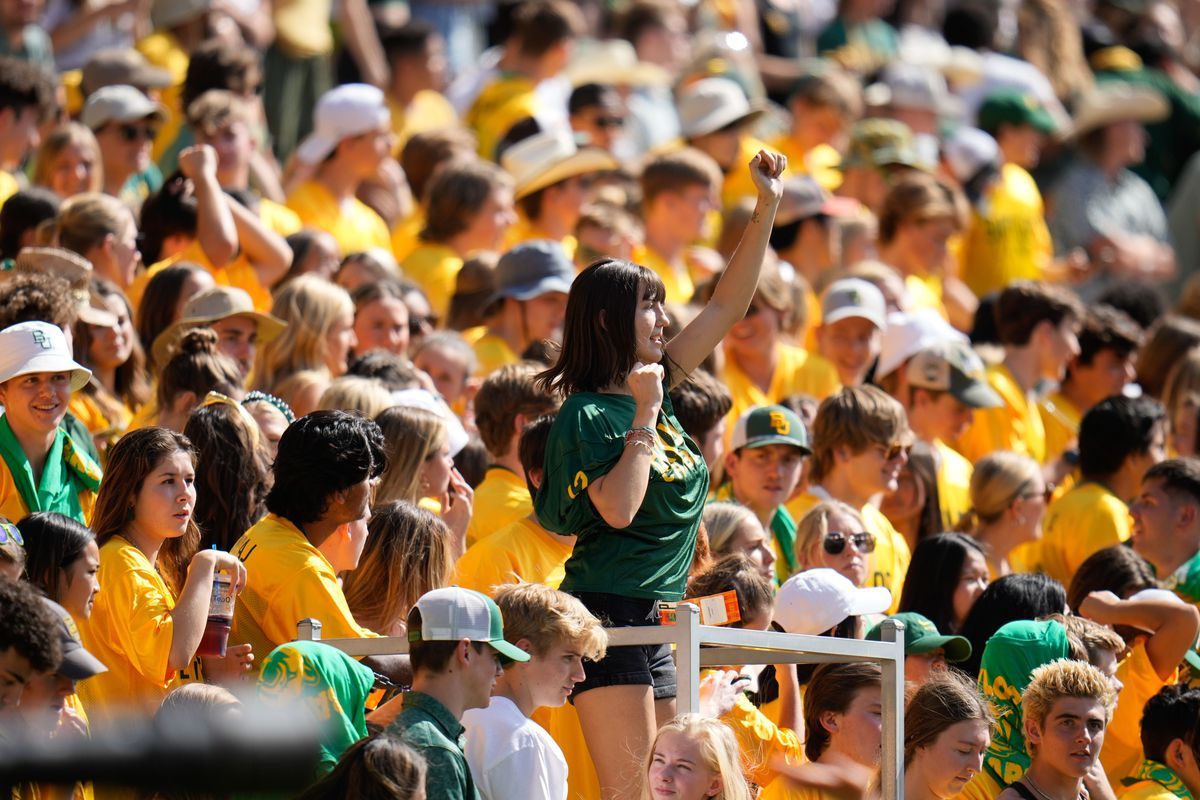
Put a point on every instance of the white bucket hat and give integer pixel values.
(349, 110)
(544, 159)
(711, 104)
(30, 347)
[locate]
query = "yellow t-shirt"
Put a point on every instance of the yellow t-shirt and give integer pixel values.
(352, 223)
(130, 631)
(523, 552)
(562, 723)
(784, 789)
(427, 111)
(405, 236)
(797, 371)
(760, 740)
(503, 103)
(163, 50)
(492, 353)
(278, 218)
(1147, 790)
(1016, 425)
(238, 273)
(822, 162)
(953, 484)
(525, 231)
(302, 28)
(87, 409)
(982, 787)
(1122, 751)
(1009, 241)
(287, 580)
(676, 278)
(889, 563)
(1061, 420)
(434, 267)
(8, 186)
(501, 499)
(739, 185)
(925, 292)
(1085, 520)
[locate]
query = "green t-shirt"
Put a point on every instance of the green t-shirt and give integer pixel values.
(650, 558)
(1186, 580)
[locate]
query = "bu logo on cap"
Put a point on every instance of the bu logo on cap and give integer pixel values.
(42, 340)
(780, 424)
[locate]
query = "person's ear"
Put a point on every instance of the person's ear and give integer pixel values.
(1174, 755)
(184, 401)
(463, 652)
(714, 788)
(525, 646)
(731, 462)
(1186, 515)
(1033, 733)
(829, 721)
(535, 477)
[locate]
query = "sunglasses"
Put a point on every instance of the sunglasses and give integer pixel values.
(895, 451)
(835, 542)
(1047, 494)
(132, 133)
(604, 123)
(10, 532)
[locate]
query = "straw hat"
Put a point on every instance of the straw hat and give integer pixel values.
(544, 159)
(212, 305)
(1109, 103)
(75, 270)
(613, 62)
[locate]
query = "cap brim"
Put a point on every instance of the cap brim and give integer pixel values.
(269, 328)
(763, 441)
(79, 375)
(1042, 121)
(98, 317)
(530, 291)
(853, 311)
(723, 120)
(956, 648)
(978, 394)
(509, 651)
(315, 148)
(79, 665)
(871, 600)
(587, 160)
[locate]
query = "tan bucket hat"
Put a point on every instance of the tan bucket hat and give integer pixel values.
(1108, 103)
(613, 62)
(75, 270)
(211, 305)
(544, 159)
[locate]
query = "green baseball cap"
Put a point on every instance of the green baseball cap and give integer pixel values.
(453, 614)
(766, 425)
(921, 636)
(878, 142)
(1012, 107)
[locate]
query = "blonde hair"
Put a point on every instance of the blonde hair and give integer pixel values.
(1064, 678)
(72, 134)
(408, 553)
(813, 526)
(857, 417)
(413, 435)
(310, 306)
(722, 520)
(1087, 639)
(191, 699)
(998, 480)
(718, 748)
(86, 219)
(546, 617)
(354, 393)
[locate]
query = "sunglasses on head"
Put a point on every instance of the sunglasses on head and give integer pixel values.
(10, 532)
(132, 132)
(835, 542)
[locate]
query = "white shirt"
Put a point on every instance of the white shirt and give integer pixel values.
(512, 757)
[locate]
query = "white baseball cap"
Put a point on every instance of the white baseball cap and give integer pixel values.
(348, 110)
(453, 614)
(30, 347)
(456, 434)
(711, 104)
(119, 103)
(815, 600)
(853, 297)
(908, 333)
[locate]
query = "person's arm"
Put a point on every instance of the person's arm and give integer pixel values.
(1173, 625)
(191, 609)
(395, 668)
(617, 495)
(267, 251)
(81, 21)
(363, 42)
(216, 232)
(737, 285)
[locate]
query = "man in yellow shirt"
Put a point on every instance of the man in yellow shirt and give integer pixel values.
(22, 103)
(823, 104)
(528, 306)
(551, 177)
(1036, 323)
(1119, 440)
(325, 471)
(860, 442)
(352, 137)
(1108, 341)
(850, 336)
(715, 118)
(946, 385)
(678, 192)
(416, 54)
(523, 551)
(507, 400)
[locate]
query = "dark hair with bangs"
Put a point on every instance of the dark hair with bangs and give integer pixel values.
(598, 349)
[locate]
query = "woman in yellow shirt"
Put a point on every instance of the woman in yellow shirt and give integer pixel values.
(1008, 501)
(947, 730)
(319, 334)
(147, 624)
(834, 535)
(694, 758)
(843, 709)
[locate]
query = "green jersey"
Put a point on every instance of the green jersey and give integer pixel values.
(650, 558)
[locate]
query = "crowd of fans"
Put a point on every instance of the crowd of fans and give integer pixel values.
(497, 326)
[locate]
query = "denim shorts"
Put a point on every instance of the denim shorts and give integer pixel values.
(640, 665)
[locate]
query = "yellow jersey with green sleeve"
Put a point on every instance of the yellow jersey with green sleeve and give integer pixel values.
(287, 580)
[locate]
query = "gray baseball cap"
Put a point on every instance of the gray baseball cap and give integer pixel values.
(120, 103)
(955, 368)
(531, 269)
(853, 297)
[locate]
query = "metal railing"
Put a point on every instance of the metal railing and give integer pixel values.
(699, 646)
